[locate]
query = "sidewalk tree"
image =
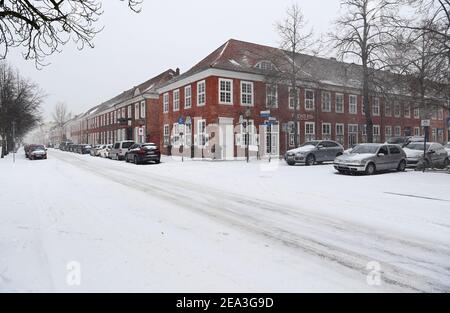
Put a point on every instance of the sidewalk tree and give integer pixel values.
(41, 27)
(60, 117)
(363, 35)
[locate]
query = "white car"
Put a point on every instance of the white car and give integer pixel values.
(119, 149)
(104, 151)
(435, 155)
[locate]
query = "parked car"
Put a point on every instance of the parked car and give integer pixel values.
(447, 148)
(370, 158)
(119, 149)
(435, 155)
(104, 152)
(143, 153)
(37, 152)
(313, 152)
(404, 141)
(85, 149)
(71, 147)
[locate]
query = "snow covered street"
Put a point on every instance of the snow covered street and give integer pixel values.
(219, 227)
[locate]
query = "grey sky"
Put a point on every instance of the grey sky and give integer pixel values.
(166, 34)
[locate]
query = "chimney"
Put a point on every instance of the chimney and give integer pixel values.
(177, 72)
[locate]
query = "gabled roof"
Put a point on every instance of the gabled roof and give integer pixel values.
(240, 56)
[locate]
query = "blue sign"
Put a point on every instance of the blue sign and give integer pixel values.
(448, 122)
(181, 121)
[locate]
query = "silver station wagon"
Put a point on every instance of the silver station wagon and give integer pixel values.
(370, 158)
(313, 152)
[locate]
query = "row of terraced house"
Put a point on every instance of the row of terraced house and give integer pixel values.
(227, 105)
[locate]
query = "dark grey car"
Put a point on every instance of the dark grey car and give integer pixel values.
(313, 152)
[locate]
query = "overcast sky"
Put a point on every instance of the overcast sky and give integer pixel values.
(166, 34)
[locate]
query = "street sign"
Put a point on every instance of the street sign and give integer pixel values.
(426, 123)
(141, 131)
(264, 114)
(181, 120)
(188, 120)
(272, 119)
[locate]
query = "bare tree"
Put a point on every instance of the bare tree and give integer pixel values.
(60, 117)
(43, 26)
(362, 35)
(295, 39)
(20, 101)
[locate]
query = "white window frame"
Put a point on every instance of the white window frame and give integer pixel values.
(291, 98)
(166, 135)
(176, 100)
(397, 105)
(407, 111)
(225, 92)
(388, 109)
(353, 106)
(308, 134)
(416, 113)
(340, 134)
(342, 97)
(201, 93)
(166, 104)
(269, 95)
(136, 111)
(376, 107)
(388, 134)
(142, 108)
(328, 135)
(245, 96)
(201, 134)
(129, 110)
(310, 103)
(416, 131)
(188, 97)
(399, 133)
(324, 93)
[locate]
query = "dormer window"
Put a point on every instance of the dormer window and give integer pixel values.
(265, 65)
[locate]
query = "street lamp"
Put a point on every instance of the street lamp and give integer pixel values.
(245, 124)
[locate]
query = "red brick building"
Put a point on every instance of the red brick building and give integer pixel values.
(233, 81)
(131, 115)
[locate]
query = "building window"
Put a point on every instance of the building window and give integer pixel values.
(176, 100)
(440, 114)
(201, 93)
(387, 110)
(339, 103)
(123, 113)
(416, 131)
(202, 139)
(187, 97)
(166, 103)
(251, 138)
(376, 107)
(326, 102)
(407, 111)
(225, 91)
(166, 135)
(352, 134)
(176, 134)
(136, 111)
(388, 132)
(416, 113)
(397, 112)
(309, 100)
(397, 131)
(247, 93)
(310, 131)
(376, 133)
(271, 96)
(326, 131)
(353, 104)
(340, 133)
(142, 109)
(292, 98)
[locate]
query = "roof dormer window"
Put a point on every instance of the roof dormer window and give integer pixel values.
(265, 65)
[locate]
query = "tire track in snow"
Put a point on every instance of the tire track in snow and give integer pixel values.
(405, 262)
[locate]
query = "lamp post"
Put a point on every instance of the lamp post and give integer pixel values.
(188, 123)
(181, 122)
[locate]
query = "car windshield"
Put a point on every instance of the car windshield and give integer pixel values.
(310, 143)
(127, 144)
(149, 147)
(396, 140)
(417, 146)
(38, 148)
(361, 149)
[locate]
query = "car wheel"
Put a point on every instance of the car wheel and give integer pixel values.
(290, 163)
(136, 160)
(446, 162)
(402, 166)
(370, 169)
(310, 160)
(158, 161)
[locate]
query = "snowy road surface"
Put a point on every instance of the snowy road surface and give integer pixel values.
(219, 227)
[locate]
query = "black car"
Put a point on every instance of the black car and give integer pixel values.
(143, 153)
